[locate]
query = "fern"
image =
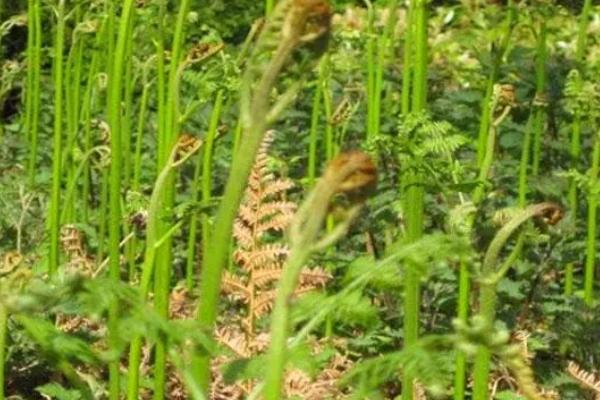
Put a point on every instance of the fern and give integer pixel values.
(585, 379)
(263, 215)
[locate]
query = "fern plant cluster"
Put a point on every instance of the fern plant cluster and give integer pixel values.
(299, 199)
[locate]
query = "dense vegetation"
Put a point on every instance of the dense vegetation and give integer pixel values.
(299, 199)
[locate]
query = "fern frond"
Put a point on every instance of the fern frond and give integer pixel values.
(314, 277)
(585, 379)
(234, 287)
(277, 187)
(258, 257)
(264, 303)
(234, 340)
(278, 224)
(265, 276)
(243, 234)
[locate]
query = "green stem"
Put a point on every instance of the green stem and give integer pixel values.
(490, 276)
(575, 148)
(54, 223)
(524, 164)
(141, 123)
(30, 68)
(115, 93)
(153, 243)
(35, 91)
(540, 109)
(314, 131)
(371, 39)
(206, 192)
(415, 193)
(170, 128)
(407, 62)
(3, 334)
(498, 56)
(590, 255)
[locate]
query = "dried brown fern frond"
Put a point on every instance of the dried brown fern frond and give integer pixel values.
(265, 211)
(323, 386)
(585, 379)
(264, 214)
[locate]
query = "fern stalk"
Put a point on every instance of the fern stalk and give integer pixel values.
(415, 194)
(590, 255)
(371, 67)
(541, 77)
(153, 242)
(497, 57)
(3, 333)
(314, 130)
(304, 240)
(464, 275)
(54, 223)
(575, 148)
(32, 90)
(203, 187)
(115, 93)
(89, 101)
(490, 276)
(407, 62)
(170, 132)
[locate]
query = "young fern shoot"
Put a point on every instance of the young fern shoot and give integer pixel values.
(352, 174)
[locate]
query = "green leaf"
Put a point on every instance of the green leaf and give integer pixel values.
(57, 392)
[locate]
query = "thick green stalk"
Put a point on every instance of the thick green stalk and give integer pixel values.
(33, 128)
(487, 309)
(464, 287)
(30, 68)
(256, 112)
(73, 108)
(371, 40)
(590, 255)
(103, 215)
(407, 66)
(539, 118)
(192, 245)
(89, 101)
(207, 176)
(205, 189)
(141, 123)
(153, 244)
(524, 164)
(115, 93)
(497, 57)
(464, 275)
(170, 129)
(161, 79)
(128, 111)
(415, 194)
(575, 149)
(490, 276)
(54, 223)
(384, 42)
(314, 132)
(3, 333)
(280, 323)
